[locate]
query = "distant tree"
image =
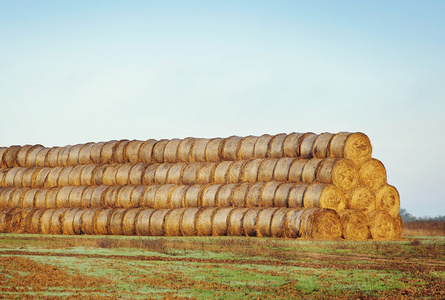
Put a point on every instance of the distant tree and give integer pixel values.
(406, 216)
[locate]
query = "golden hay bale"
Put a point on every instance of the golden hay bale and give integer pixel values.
(192, 197)
(8, 177)
(52, 158)
(62, 159)
(162, 196)
(173, 222)
(119, 152)
(264, 221)
(310, 168)
(123, 174)
(204, 221)
(98, 174)
(138, 195)
(85, 153)
(109, 174)
(250, 221)
(5, 195)
(10, 156)
(171, 150)
(398, 227)
(321, 145)
(14, 220)
(145, 153)
(158, 151)
(188, 221)
(208, 195)
(39, 177)
(28, 198)
(250, 170)
(75, 197)
(239, 194)
(296, 170)
(234, 173)
(117, 221)
(31, 156)
(205, 172)
(53, 177)
(161, 173)
(40, 198)
(87, 196)
(388, 199)
(129, 221)
(381, 225)
(184, 149)
(246, 147)
(292, 144)
(253, 194)
(198, 150)
(354, 224)
(18, 178)
(51, 197)
(34, 221)
(27, 215)
(277, 224)
(324, 196)
(262, 146)
(102, 221)
(64, 176)
(56, 225)
(373, 174)
(68, 221)
(174, 174)
(292, 222)
(131, 151)
(110, 196)
(2, 151)
(74, 154)
(177, 195)
(148, 199)
(323, 224)
(124, 196)
(98, 195)
(213, 149)
(229, 149)
(136, 173)
(149, 174)
(106, 154)
(341, 172)
(220, 224)
(2, 176)
(16, 197)
(42, 157)
(220, 172)
(45, 221)
(281, 197)
(282, 169)
(142, 223)
(223, 198)
(361, 198)
(75, 175)
(62, 199)
(267, 195)
(77, 221)
(157, 221)
(276, 149)
(235, 221)
(354, 146)
(86, 175)
(20, 156)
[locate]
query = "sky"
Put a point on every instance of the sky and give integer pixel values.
(87, 71)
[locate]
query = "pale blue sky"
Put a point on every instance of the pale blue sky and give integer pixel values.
(79, 71)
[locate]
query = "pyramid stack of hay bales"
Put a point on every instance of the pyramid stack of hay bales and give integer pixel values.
(322, 186)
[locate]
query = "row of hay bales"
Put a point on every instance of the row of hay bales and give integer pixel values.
(301, 172)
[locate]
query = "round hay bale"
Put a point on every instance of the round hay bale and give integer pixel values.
(45, 221)
(239, 194)
(56, 225)
(321, 145)
(341, 172)
(235, 221)
(277, 227)
(354, 225)
(190, 173)
(398, 227)
(136, 174)
(373, 174)
(205, 173)
(39, 177)
(177, 195)
(20, 156)
(124, 196)
(171, 151)
(28, 199)
(173, 222)
(267, 195)
(26, 219)
(250, 221)
(74, 154)
(208, 194)
(2, 151)
(281, 198)
(161, 173)
(87, 196)
(77, 220)
(52, 158)
(16, 197)
(204, 221)
(88, 220)
(162, 196)
(157, 221)
(40, 198)
(119, 152)
(51, 198)
(110, 196)
(188, 221)
(98, 195)
(102, 221)
(63, 197)
(174, 174)
(86, 175)
(229, 149)
(220, 172)
(107, 153)
(64, 176)
(14, 221)
(35, 224)
(31, 156)
(95, 153)
(148, 199)
(381, 225)
(192, 197)
(234, 173)
(198, 150)
(3, 221)
(262, 146)
(85, 154)
(264, 221)
(149, 174)
(98, 174)
(213, 149)
(52, 180)
(292, 143)
(142, 223)
(2, 176)
(282, 169)
(9, 157)
(158, 151)
(137, 196)
(109, 174)
(324, 196)
(131, 152)
(18, 178)
(5, 195)
(62, 159)
(292, 223)
(220, 224)
(246, 147)
(68, 221)
(129, 221)
(354, 146)
(296, 170)
(8, 177)
(223, 198)
(310, 169)
(250, 170)
(75, 175)
(276, 146)
(42, 157)
(123, 174)
(254, 194)
(266, 169)
(184, 149)
(75, 197)
(388, 199)
(320, 224)
(361, 198)
(117, 221)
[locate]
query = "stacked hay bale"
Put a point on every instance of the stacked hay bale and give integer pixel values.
(323, 186)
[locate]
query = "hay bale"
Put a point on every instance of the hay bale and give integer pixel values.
(16, 197)
(250, 170)
(373, 174)
(188, 221)
(88, 220)
(39, 177)
(31, 156)
(253, 194)
(51, 197)
(354, 146)
(398, 227)
(239, 194)
(87, 196)
(204, 221)
(177, 195)
(86, 175)
(40, 198)
(110, 196)
(138, 195)
(149, 174)
(102, 221)
(292, 144)
(52, 158)
(2, 151)
(205, 173)
(173, 222)
(77, 221)
(184, 149)
(35, 226)
(62, 199)
(229, 148)
(28, 198)
(220, 224)
(341, 172)
(119, 152)
(277, 227)
(142, 223)
(388, 199)
(85, 154)
(234, 173)
(68, 221)
(213, 150)
(223, 197)
(27, 215)
(116, 226)
(320, 224)
(18, 178)
(250, 221)
(56, 225)
(109, 174)
(137, 173)
(98, 174)
(74, 154)
(131, 151)
(292, 223)
(8, 177)
(98, 195)
(208, 195)
(381, 225)
(45, 221)
(323, 195)
(281, 196)
(321, 145)
(161, 173)
(148, 199)
(171, 151)
(267, 194)
(75, 197)
(198, 150)
(310, 168)
(296, 170)
(262, 146)
(62, 159)
(20, 156)
(2, 176)
(235, 221)
(10, 156)
(276, 149)
(220, 172)
(52, 180)
(192, 197)
(158, 151)
(264, 221)
(162, 196)
(145, 154)
(129, 221)
(157, 221)
(124, 196)
(75, 174)
(123, 174)
(247, 147)
(108, 149)
(354, 224)
(42, 157)
(5, 194)
(361, 198)
(64, 176)
(175, 172)
(282, 169)
(3, 221)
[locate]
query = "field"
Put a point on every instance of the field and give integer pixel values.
(119, 267)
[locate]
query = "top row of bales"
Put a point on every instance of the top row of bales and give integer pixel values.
(354, 146)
